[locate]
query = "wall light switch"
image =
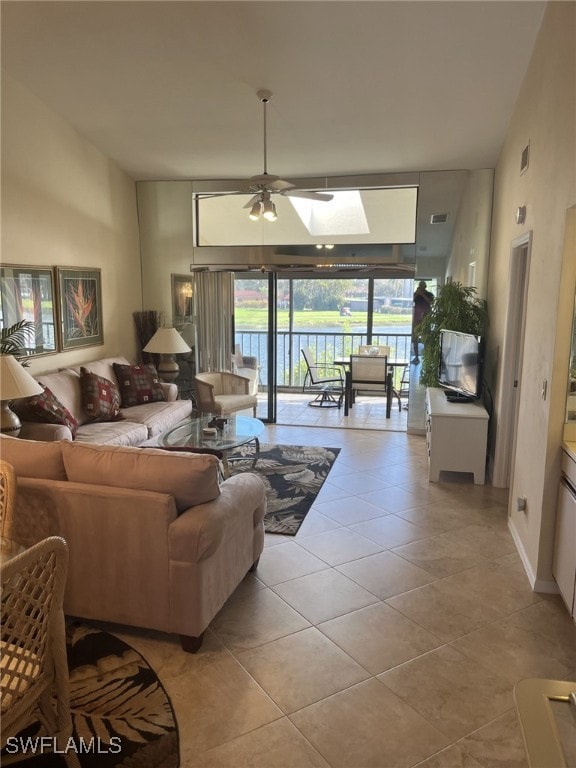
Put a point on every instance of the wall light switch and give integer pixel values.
(544, 388)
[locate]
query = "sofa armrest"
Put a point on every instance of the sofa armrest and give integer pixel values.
(196, 534)
(170, 391)
(36, 430)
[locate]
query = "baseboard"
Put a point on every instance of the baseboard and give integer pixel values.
(538, 585)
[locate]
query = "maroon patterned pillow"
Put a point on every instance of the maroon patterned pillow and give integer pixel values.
(47, 408)
(100, 397)
(138, 384)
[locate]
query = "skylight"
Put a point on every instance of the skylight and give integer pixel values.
(344, 215)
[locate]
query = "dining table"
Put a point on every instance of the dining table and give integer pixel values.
(391, 392)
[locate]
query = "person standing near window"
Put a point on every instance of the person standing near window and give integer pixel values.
(423, 300)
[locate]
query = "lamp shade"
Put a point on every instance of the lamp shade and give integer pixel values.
(167, 341)
(15, 381)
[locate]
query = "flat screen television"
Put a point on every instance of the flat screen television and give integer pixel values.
(460, 369)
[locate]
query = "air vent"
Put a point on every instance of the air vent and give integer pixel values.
(438, 218)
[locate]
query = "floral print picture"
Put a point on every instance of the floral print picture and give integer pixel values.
(80, 307)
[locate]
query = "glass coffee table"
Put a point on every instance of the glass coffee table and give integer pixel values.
(237, 431)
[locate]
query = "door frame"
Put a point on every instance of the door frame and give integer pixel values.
(512, 359)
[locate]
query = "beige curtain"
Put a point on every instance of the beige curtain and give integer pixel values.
(214, 292)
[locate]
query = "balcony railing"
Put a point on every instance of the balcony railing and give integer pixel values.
(290, 366)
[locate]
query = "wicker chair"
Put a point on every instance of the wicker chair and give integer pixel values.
(7, 498)
(33, 660)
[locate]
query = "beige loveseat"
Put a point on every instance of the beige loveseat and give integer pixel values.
(141, 423)
(155, 540)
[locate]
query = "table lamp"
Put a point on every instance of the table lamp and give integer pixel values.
(167, 342)
(15, 382)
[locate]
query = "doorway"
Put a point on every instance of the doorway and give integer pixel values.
(512, 359)
(276, 315)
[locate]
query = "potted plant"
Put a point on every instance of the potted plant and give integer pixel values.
(456, 308)
(14, 339)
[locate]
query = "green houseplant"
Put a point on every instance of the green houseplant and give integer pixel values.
(14, 339)
(456, 308)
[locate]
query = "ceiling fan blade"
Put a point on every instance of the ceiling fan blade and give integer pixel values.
(253, 200)
(279, 185)
(324, 196)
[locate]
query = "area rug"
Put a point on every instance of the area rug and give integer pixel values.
(119, 708)
(293, 476)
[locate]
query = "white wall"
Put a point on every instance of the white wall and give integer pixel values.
(66, 204)
(544, 116)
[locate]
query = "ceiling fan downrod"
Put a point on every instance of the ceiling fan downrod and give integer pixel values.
(265, 97)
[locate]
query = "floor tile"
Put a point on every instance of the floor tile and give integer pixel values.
(441, 556)
(379, 637)
(256, 619)
(301, 669)
(527, 644)
(492, 542)
(286, 561)
(454, 693)
(368, 726)
(216, 702)
(389, 531)
(324, 595)
(451, 757)
(444, 609)
(385, 574)
(506, 589)
(339, 546)
(277, 745)
(498, 744)
(351, 509)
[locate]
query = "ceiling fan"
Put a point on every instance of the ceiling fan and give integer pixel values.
(266, 184)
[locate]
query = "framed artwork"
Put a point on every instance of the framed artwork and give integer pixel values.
(27, 293)
(80, 299)
(182, 300)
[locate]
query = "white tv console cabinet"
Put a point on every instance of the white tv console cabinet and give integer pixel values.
(456, 436)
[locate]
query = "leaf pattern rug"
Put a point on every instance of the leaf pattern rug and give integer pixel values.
(116, 700)
(293, 476)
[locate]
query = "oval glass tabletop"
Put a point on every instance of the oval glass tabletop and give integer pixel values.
(237, 430)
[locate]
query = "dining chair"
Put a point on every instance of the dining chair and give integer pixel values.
(34, 670)
(7, 498)
(326, 380)
(367, 373)
(374, 350)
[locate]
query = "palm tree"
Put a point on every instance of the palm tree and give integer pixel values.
(15, 338)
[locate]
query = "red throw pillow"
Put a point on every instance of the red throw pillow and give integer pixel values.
(47, 408)
(138, 384)
(100, 397)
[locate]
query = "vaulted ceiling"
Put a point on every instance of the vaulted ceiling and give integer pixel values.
(168, 89)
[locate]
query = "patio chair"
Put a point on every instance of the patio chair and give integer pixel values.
(327, 380)
(367, 373)
(33, 661)
(247, 366)
(374, 350)
(222, 393)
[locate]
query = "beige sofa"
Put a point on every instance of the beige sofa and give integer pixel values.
(155, 540)
(142, 423)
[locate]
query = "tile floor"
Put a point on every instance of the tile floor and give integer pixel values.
(388, 633)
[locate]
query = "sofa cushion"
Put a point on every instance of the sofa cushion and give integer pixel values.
(158, 417)
(190, 478)
(103, 367)
(100, 397)
(112, 433)
(33, 459)
(65, 385)
(47, 407)
(138, 384)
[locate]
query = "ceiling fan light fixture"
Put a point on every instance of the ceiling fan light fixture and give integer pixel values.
(255, 211)
(269, 210)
